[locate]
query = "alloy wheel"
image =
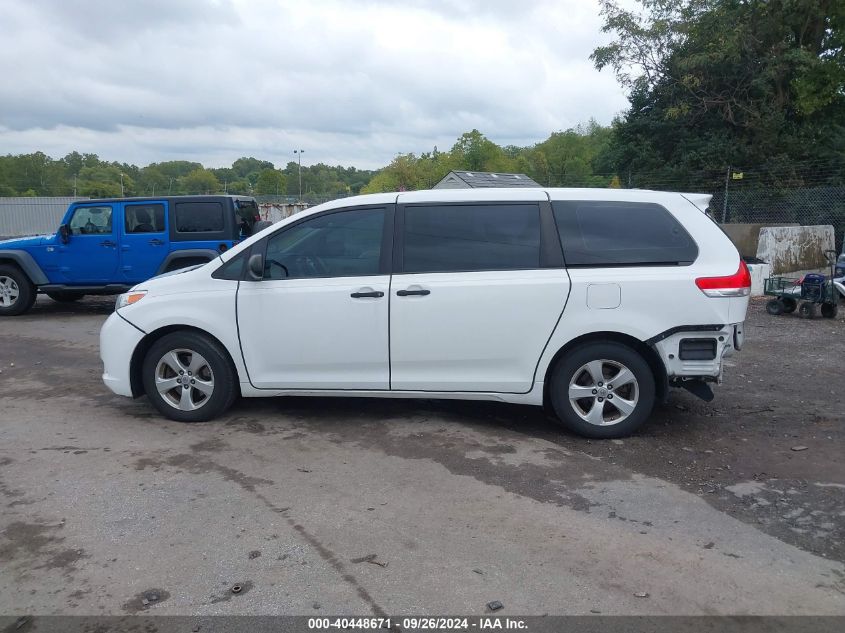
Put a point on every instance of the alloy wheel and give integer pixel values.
(603, 392)
(9, 292)
(184, 379)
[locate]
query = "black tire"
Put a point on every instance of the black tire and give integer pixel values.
(807, 310)
(775, 307)
(829, 310)
(65, 296)
(220, 374)
(570, 369)
(789, 305)
(17, 292)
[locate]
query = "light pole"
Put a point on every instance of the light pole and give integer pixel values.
(299, 153)
(121, 186)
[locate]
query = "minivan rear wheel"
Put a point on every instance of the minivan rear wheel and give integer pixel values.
(602, 390)
(188, 377)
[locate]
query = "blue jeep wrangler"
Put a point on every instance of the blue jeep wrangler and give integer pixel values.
(105, 247)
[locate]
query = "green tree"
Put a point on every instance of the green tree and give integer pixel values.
(270, 182)
(200, 181)
(718, 82)
(104, 181)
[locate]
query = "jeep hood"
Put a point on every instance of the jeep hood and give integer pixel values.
(23, 242)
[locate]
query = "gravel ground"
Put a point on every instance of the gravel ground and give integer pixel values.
(348, 506)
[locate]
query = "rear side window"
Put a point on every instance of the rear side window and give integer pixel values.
(621, 234)
(144, 218)
(441, 238)
(199, 217)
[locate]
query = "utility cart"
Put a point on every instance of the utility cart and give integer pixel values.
(804, 293)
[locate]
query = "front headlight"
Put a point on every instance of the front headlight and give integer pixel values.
(128, 298)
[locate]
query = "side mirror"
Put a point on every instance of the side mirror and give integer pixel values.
(255, 267)
(64, 233)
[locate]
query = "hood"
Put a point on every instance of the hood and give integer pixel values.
(166, 283)
(23, 242)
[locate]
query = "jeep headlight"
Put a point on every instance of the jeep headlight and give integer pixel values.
(128, 298)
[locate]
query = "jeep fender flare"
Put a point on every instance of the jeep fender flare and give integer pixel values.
(188, 253)
(27, 264)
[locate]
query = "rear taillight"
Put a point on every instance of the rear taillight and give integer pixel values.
(736, 285)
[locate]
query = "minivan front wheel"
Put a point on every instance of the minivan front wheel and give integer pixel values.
(602, 390)
(188, 377)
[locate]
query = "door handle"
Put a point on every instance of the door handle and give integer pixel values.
(156, 242)
(107, 243)
(416, 293)
(360, 295)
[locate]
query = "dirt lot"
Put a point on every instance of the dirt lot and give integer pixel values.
(345, 506)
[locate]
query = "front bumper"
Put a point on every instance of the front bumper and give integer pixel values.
(118, 340)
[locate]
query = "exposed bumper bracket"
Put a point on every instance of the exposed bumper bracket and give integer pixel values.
(698, 388)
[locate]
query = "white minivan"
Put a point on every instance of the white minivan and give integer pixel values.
(590, 302)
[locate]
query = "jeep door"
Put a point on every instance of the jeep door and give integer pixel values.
(144, 241)
(478, 288)
(318, 318)
(91, 255)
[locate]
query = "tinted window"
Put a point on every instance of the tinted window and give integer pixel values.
(91, 220)
(471, 237)
(231, 270)
(621, 233)
(199, 217)
(344, 244)
(144, 218)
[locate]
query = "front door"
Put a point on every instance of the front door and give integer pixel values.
(144, 244)
(472, 304)
(319, 317)
(91, 254)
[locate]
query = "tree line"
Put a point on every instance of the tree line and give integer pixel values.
(714, 87)
(81, 174)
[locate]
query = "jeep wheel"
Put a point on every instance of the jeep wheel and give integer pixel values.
(188, 377)
(65, 296)
(602, 390)
(17, 294)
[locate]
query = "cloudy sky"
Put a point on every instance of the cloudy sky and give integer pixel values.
(351, 82)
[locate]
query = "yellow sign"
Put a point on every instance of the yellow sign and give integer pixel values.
(737, 175)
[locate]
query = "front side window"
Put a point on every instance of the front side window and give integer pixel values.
(442, 238)
(343, 244)
(91, 220)
(144, 218)
(199, 217)
(621, 234)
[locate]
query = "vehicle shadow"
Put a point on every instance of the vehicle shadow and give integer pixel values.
(87, 306)
(339, 415)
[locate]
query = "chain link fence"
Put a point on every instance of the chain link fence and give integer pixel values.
(809, 193)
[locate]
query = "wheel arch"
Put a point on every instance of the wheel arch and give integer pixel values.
(204, 254)
(658, 368)
(136, 363)
(26, 264)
